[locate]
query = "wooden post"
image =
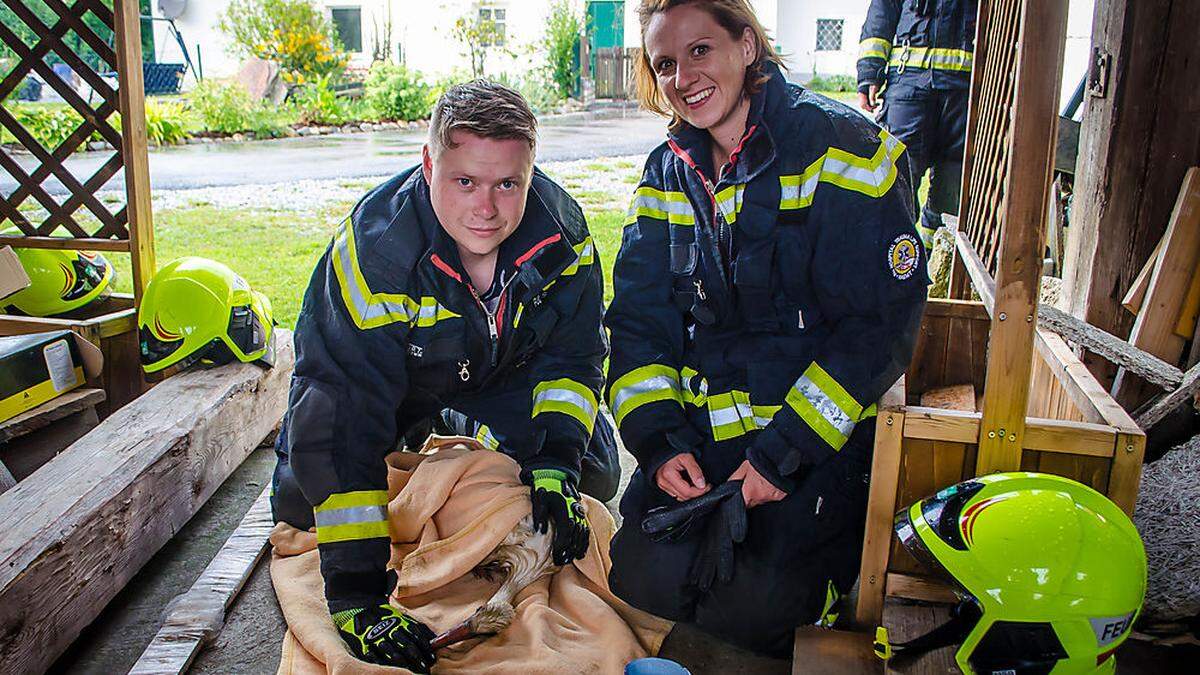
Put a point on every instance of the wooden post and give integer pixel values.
(1134, 148)
(133, 142)
(1030, 160)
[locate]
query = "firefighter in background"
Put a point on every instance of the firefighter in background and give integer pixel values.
(768, 291)
(914, 68)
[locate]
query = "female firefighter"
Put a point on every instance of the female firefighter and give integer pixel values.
(768, 290)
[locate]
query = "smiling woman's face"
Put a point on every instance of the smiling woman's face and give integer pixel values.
(699, 67)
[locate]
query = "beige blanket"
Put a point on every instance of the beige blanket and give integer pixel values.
(448, 511)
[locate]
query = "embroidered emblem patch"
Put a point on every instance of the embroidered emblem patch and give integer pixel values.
(903, 255)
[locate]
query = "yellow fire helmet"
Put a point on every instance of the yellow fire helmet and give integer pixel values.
(196, 309)
(1050, 574)
(60, 281)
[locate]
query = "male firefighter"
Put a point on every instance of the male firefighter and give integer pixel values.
(915, 61)
(468, 282)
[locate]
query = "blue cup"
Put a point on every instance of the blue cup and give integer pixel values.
(655, 666)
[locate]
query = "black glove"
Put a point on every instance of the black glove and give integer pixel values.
(726, 527)
(384, 635)
(556, 500)
(673, 523)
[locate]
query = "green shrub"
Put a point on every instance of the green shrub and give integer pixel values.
(833, 83)
(561, 41)
(317, 103)
(542, 93)
(49, 124)
(166, 122)
(226, 108)
(293, 33)
(397, 93)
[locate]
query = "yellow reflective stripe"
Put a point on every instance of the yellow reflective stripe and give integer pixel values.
(826, 406)
(732, 414)
(372, 310)
(642, 386)
(828, 615)
(937, 58)
(687, 375)
(729, 200)
(874, 48)
(566, 397)
(670, 206)
(872, 176)
(518, 315)
(585, 254)
(350, 516)
(927, 234)
(834, 390)
(485, 438)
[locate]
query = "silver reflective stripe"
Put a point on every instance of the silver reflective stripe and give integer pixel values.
(824, 405)
(722, 416)
(566, 396)
(352, 514)
(367, 310)
(875, 176)
(804, 191)
(656, 383)
(679, 208)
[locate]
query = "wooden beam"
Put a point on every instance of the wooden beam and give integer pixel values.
(80, 527)
(919, 588)
(199, 613)
(1137, 290)
(1148, 366)
(834, 652)
(935, 424)
(1134, 150)
(1154, 412)
(134, 143)
(881, 508)
(1080, 385)
(1070, 437)
(1027, 193)
(1154, 329)
(76, 243)
(981, 279)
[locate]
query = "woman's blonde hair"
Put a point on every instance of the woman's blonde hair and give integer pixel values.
(735, 16)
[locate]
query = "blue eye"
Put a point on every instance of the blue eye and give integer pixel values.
(464, 182)
(508, 185)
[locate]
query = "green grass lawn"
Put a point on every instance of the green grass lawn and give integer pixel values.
(276, 251)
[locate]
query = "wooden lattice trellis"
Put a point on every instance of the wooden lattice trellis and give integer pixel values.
(128, 227)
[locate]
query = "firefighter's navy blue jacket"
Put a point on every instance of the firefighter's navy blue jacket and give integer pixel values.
(780, 303)
(391, 332)
(932, 41)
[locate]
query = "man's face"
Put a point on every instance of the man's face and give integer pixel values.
(478, 190)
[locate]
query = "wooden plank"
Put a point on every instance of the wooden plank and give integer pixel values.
(49, 412)
(7, 480)
(1186, 326)
(1031, 156)
(948, 463)
(1070, 437)
(1147, 365)
(881, 508)
(104, 506)
(1156, 411)
(199, 613)
(834, 652)
(134, 143)
(1078, 383)
(1154, 329)
(908, 621)
(916, 587)
(1126, 473)
(956, 309)
(1137, 290)
(981, 279)
(74, 243)
(934, 424)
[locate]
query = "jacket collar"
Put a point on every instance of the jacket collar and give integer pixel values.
(757, 150)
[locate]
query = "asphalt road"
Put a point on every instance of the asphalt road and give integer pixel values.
(577, 136)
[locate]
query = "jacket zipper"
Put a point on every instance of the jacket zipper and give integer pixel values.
(493, 328)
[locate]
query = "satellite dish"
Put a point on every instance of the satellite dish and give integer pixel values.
(172, 9)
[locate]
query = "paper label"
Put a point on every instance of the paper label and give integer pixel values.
(58, 362)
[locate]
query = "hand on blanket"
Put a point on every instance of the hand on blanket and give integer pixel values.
(555, 500)
(386, 636)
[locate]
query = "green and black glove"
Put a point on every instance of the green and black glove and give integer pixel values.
(386, 636)
(555, 500)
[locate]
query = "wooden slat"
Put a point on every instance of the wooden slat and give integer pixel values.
(105, 505)
(1070, 437)
(75, 243)
(934, 424)
(14, 170)
(127, 25)
(881, 507)
(956, 309)
(1126, 474)
(1116, 350)
(916, 587)
(1031, 157)
(1159, 409)
(1137, 290)
(49, 412)
(981, 279)
(834, 652)
(1079, 384)
(1154, 328)
(199, 613)
(908, 621)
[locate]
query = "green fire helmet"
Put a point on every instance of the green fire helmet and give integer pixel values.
(60, 281)
(1051, 574)
(196, 309)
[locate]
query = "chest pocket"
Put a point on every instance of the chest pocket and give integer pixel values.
(436, 359)
(687, 283)
(913, 25)
(534, 332)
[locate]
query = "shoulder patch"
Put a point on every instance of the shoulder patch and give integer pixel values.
(903, 255)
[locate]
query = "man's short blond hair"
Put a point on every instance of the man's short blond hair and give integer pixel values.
(484, 108)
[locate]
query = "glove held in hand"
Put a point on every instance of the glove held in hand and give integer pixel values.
(386, 636)
(555, 500)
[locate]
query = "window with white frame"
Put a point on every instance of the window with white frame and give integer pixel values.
(496, 17)
(347, 21)
(829, 35)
